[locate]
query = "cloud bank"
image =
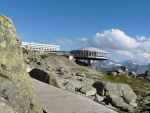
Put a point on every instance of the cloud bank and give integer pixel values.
(122, 46)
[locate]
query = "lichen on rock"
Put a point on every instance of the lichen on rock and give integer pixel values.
(15, 84)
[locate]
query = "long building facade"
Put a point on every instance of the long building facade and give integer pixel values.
(40, 47)
(90, 53)
(88, 56)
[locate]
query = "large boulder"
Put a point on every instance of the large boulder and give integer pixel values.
(5, 108)
(144, 104)
(73, 85)
(87, 87)
(118, 94)
(16, 94)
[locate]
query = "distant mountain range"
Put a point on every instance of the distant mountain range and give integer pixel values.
(109, 65)
(139, 69)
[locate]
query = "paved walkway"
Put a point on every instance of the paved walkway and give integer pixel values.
(55, 100)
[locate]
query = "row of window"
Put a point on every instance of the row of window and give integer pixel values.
(42, 48)
(88, 54)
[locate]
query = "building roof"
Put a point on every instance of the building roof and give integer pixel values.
(93, 49)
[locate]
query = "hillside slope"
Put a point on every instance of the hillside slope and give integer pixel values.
(57, 63)
(60, 72)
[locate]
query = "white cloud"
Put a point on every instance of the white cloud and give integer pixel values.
(114, 39)
(121, 45)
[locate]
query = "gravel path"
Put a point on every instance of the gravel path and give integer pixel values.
(55, 100)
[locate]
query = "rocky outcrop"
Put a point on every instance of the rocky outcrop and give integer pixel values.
(58, 65)
(16, 95)
(144, 104)
(60, 72)
(117, 94)
(67, 75)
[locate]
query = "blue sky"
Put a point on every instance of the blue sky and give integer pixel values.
(71, 20)
(46, 20)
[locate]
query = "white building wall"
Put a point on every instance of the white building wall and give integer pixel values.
(40, 47)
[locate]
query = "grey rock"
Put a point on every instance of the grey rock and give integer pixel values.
(119, 95)
(16, 92)
(80, 74)
(73, 86)
(145, 104)
(133, 74)
(99, 98)
(5, 108)
(87, 87)
(114, 73)
(88, 91)
(59, 82)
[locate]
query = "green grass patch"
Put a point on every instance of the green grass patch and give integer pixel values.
(140, 86)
